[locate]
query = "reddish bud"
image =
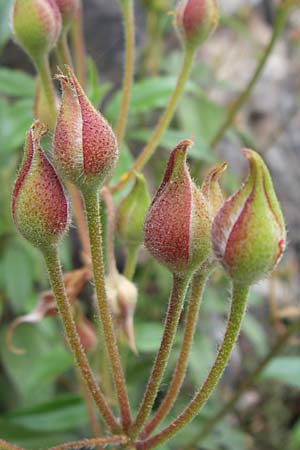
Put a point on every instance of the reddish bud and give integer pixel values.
(68, 10)
(211, 188)
(36, 25)
(248, 232)
(196, 20)
(39, 205)
(85, 148)
(177, 226)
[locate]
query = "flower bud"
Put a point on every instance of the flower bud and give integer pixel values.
(68, 10)
(85, 148)
(196, 20)
(211, 188)
(36, 25)
(248, 232)
(177, 227)
(131, 213)
(39, 205)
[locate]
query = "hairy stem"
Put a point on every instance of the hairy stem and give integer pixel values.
(91, 442)
(78, 46)
(129, 30)
(163, 123)
(171, 322)
(58, 288)
(63, 51)
(246, 384)
(197, 289)
(42, 66)
(244, 95)
(238, 307)
(130, 264)
(92, 204)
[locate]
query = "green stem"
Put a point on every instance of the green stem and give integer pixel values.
(248, 383)
(197, 289)
(172, 318)
(78, 46)
(43, 68)
(92, 205)
(7, 446)
(129, 30)
(58, 288)
(92, 442)
(63, 51)
(244, 95)
(131, 259)
(163, 123)
(238, 307)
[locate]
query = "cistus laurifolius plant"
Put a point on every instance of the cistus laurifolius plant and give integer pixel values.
(187, 229)
(39, 205)
(248, 233)
(37, 26)
(85, 149)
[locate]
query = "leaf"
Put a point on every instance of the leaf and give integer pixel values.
(16, 268)
(16, 83)
(147, 95)
(63, 414)
(170, 139)
(256, 334)
(148, 336)
(5, 30)
(285, 369)
(34, 373)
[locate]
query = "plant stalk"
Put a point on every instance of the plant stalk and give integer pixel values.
(78, 46)
(121, 439)
(63, 51)
(180, 285)
(163, 123)
(58, 288)
(246, 384)
(238, 307)
(244, 95)
(43, 69)
(197, 289)
(92, 205)
(129, 31)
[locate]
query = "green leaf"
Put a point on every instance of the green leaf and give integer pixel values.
(35, 372)
(285, 369)
(5, 30)
(16, 268)
(256, 334)
(170, 139)
(148, 336)
(147, 94)
(63, 414)
(16, 83)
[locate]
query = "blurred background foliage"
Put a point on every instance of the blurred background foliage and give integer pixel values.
(40, 401)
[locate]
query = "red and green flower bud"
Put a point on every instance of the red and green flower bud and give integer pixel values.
(131, 213)
(196, 20)
(248, 233)
(36, 25)
(39, 205)
(177, 227)
(85, 148)
(68, 10)
(211, 188)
